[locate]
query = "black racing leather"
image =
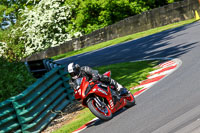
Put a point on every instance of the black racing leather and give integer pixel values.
(88, 72)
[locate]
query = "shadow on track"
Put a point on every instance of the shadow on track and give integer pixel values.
(170, 43)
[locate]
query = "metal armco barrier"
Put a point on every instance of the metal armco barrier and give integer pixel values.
(39, 67)
(35, 107)
(8, 118)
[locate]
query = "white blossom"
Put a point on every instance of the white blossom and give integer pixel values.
(45, 25)
(3, 47)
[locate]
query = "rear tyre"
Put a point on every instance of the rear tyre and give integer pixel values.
(102, 113)
(130, 100)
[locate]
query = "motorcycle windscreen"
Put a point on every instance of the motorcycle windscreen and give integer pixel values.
(82, 85)
(78, 83)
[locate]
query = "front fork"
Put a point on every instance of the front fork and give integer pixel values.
(99, 102)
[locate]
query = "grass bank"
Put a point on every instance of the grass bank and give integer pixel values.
(128, 74)
(123, 39)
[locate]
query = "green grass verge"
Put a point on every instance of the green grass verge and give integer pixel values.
(84, 116)
(123, 39)
(128, 74)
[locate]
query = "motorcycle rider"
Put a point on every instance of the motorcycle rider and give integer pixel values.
(76, 71)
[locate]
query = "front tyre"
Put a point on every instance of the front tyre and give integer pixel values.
(130, 100)
(103, 113)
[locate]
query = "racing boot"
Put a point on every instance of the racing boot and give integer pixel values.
(123, 92)
(119, 88)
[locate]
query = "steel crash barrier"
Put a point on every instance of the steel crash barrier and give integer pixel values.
(39, 67)
(33, 109)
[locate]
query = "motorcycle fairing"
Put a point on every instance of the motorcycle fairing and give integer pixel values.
(80, 92)
(108, 73)
(98, 91)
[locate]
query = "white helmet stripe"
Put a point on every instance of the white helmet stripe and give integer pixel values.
(70, 68)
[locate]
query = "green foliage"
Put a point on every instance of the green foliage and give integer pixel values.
(90, 15)
(45, 24)
(2, 9)
(11, 47)
(13, 6)
(11, 44)
(14, 78)
(172, 1)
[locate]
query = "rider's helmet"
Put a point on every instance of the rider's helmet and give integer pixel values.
(74, 70)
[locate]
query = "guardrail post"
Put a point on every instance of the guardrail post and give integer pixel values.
(18, 117)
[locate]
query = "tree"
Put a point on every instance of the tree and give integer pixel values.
(45, 25)
(90, 15)
(9, 10)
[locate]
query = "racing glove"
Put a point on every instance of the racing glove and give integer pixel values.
(95, 77)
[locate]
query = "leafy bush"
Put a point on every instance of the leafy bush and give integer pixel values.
(14, 78)
(90, 15)
(11, 47)
(38, 27)
(9, 10)
(45, 25)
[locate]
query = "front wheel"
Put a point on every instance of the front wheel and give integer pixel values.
(130, 100)
(103, 113)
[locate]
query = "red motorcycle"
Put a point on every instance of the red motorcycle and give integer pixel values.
(100, 98)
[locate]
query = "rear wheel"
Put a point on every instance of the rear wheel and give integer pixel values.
(130, 100)
(103, 113)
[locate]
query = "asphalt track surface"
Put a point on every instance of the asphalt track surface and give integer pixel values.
(173, 104)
